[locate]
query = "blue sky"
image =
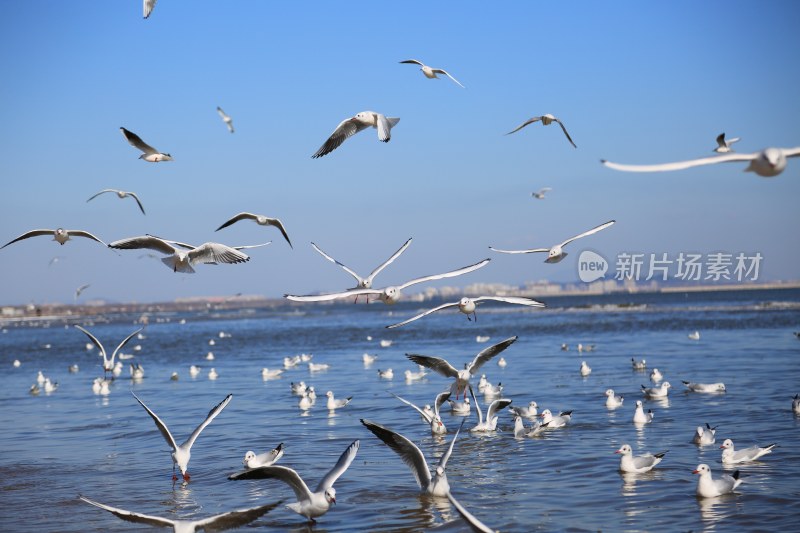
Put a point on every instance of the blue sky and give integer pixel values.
(633, 82)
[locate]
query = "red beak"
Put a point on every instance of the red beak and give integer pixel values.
(617, 451)
(695, 471)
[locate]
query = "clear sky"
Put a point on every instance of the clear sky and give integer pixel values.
(634, 82)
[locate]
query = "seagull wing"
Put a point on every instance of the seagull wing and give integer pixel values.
(475, 525)
(410, 454)
(81, 233)
(446, 456)
(590, 232)
(529, 121)
(123, 343)
(532, 251)
(440, 399)
(680, 165)
(511, 300)
(488, 353)
(477, 405)
(82, 288)
(413, 61)
(721, 141)
(424, 313)
(451, 274)
(32, 233)
(95, 342)
(283, 473)
(565, 132)
(442, 71)
(130, 516)
(425, 415)
(212, 414)
(387, 262)
(359, 279)
(234, 519)
(214, 252)
(346, 128)
(339, 468)
(497, 405)
(791, 152)
(137, 141)
(146, 241)
(437, 364)
(147, 6)
(278, 224)
(159, 424)
(330, 296)
(138, 202)
(384, 128)
(237, 218)
(101, 192)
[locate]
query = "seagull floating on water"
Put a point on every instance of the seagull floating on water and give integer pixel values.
(108, 363)
(150, 154)
(732, 456)
(723, 146)
(60, 235)
(556, 252)
(350, 126)
(520, 430)
(333, 403)
(490, 423)
(553, 422)
(251, 460)
(637, 464)
(460, 408)
(612, 400)
(546, 121)
(639, 416)
(708, 487)
(430, 72)
(386, 374)
(261, 220)
(469, 305)
(308, 504)
(121, 194)
(695, 336)
(767, 163)
(656, 375)
(705, 387)
(225, 118)
(657, 392)
(585, 369)
(703, 437)
(531, 411)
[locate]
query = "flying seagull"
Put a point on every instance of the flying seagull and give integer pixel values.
(108, 363)
(723, 146)
(388, 295)
(349, 127)
(431, 72)
(60, 235)
(121, 194)
(767, 163)
(540, 194)
(150, 154)
(261, 220)
(225, 118)
(80, 290)
(147, 7)
(220, 522)
(546, 121)
(469, 305)
(556, 252)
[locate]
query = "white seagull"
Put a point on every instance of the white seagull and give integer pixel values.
(612, 400)
(705, 387)
(350, 126)
(553, 422)
(60, 235)
(708, 487)
(462, 377)
(150, 154)
(308, 504)
(521, 431)
(767, 163)
(639, 416)
(181, 257)
(556, 252)
(460, 408)
(108, 363)
(183, 452)
(723, 146)
(434, 420)
(490, 424)
(80, 290)
(430, 72)
(731, 456)
(637, 464)
(705, 436)
(540, 194)
(585, 369)
(333, 403)
(531, 411)
(251, 460)
(638, 365)
(220, 522)
(225, 118)
(657, 392)
(695, 336)
(469, 305)
(388, 295)
(261, 220)
(121, 194)
(386, 374)
(434, 483)
(546, 121)
(656, 375)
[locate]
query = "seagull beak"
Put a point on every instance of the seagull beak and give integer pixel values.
(333, 500)
(695, 471)
(617, 451)
(721, 446)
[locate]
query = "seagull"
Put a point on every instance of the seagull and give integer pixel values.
(540, 194)
(474, 524)
(638, 365)
(612, 400)
(695, 336)
(704, 436)
(462, 377)
(150, 154)
(656, 375)
(637, 464)
(183, 452)
(225, 118)
(585, 369)
(460, 408)
(546, 121)
(308, 504)
(767, 163)
(147, 6)
(333, 403)
(434, 420)
(120, 194)
(657, 392)
(80, 290)
(555, 253)
(415, 376)
(108, 363)
(521, 431)
(723, 146)
(469, 305)
(180, 260)
(433, 483)
(251, 460)
(796, 404)
(705, 387)
(708, 487)
(60, 235)
(274, 373)
(386, 374)
(388, 295)
(490, 424)
(731, 456)
(364, 283)
(368, 359)
(639, 416)
(350, 126)
(430, 72)
(553, 422)
(261, 220)
(531, 411)
(220, 522)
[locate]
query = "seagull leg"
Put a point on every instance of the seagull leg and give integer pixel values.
(174, 476)
(186, 476)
